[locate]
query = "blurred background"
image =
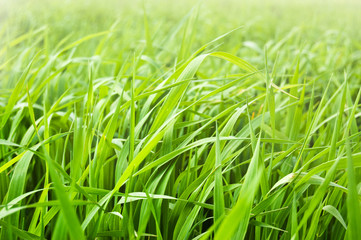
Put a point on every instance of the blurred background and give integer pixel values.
(214, 17)
(310, 27)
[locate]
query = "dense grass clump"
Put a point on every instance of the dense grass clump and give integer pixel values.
(180, 120)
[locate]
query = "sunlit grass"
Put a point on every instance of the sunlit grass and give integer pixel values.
(180, 121)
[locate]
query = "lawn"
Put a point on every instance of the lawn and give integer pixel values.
(180, 119)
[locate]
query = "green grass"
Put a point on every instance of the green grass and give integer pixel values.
(180, 120)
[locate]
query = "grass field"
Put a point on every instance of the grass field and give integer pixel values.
(180, 119)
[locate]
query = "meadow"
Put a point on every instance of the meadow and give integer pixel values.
(180, 119)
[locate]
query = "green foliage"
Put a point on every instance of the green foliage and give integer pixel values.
(180, 120)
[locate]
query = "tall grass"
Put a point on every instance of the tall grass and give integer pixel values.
(157, 120)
